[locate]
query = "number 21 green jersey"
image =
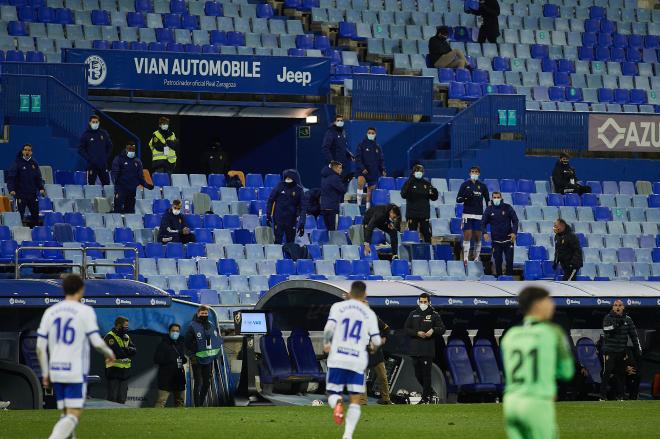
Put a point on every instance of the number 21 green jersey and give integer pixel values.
(535, 355)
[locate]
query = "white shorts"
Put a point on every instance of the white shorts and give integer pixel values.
(337, 379)
(70, 395)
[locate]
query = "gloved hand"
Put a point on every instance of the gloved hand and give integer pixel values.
(301, 231)
(150, 187)
(268, 221)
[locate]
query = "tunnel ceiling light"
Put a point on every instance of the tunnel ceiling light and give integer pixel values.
(312, 119)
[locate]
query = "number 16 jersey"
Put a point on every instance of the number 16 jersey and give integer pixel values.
(536, 354)
(67, 326)
(355, 324)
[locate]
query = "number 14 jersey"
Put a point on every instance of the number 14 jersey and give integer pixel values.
(67, 326)
(536, 354)
(355, 324)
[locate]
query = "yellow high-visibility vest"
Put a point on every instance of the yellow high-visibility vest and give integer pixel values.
(160, 155)
(123, 363)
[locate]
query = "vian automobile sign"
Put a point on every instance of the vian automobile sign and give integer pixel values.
(618, 132)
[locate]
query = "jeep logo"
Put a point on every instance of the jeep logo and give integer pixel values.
(298, 77)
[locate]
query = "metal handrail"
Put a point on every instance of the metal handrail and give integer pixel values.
(84, 265)
(96, 109)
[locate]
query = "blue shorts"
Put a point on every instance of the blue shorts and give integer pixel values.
(337, 379)
(70, 395)
(471, 224)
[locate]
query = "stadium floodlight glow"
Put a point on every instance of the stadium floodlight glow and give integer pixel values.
(312, 119)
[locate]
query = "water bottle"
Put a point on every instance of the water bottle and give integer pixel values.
(186, 207)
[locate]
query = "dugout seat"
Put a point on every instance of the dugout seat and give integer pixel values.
(276, 365)
(303, 356)
(461, 372)
(587, 356)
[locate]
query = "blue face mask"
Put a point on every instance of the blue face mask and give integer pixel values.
(497, 201)
(130, 154)
(174, 335)
(474, 177)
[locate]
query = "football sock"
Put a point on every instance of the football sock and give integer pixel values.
(64, 427)
(333, 400)
(360, 193)
(477, 250)
(352, 418)
(466, 250)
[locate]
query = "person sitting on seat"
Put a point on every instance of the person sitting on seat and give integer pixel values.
(173, 226)
(565, 179)
(442, 55)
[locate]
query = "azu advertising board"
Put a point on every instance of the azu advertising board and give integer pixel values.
(211, 73)
(624, 133)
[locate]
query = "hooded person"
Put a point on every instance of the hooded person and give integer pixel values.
(423, 325)
(333, 190)
(418, 193)
(96, 147)
(25, 183)
(285, 208)
(564, 178)
(217, 159)
(370, 164)
(335, 146)
(127, 174)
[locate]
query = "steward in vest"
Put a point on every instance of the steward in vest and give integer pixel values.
(163, 154)
(203, 343)
(118, 373)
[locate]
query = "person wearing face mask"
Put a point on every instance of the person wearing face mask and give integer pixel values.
(25, 183)
(170, 357)
(118, 373)
(473, 194)
(202, 342)
(568, 253)
(618, 328)
(370, 164)
(503, 227)
(217, 159)
(127, 175)
(96, 148)
(418, 193)
(163, 153)
(386, 217)
(564, 178)
(284, 208)
(333, 190)
(173, 226)
(335, 146)
(423, 325)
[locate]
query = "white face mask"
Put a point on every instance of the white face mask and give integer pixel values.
(164, 127)
(288, 180)
(339, 123)
(418, 174)
(497, 201)
(474, 177)
(371, 136)
(423, 306)
(94, 125)
(176, 211)
(130, 154)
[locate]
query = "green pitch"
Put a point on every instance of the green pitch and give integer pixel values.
(638, 419)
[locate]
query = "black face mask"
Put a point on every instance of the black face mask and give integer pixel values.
(121, 331)
(203, 319)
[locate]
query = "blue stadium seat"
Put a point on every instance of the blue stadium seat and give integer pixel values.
(533, 270)
(174, 250)
(461, 372)
(276, 361)
(303, 356)
(486, 365)
(587, 355)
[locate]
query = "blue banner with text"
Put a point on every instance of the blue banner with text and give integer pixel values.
(210, 73)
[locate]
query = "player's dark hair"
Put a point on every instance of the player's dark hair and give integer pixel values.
(562, 221)
(358, 289)
(72, 284)
(120, 320)
(475, 168)
(177, 202)
(201, 308)
(93, 116)
(529, 296)
(497, 192)
(425, 296)
(396, 210)
(338, 116)
(371, 129)
(173, 325)
(163, 119)
(563, 155)
(335, 163)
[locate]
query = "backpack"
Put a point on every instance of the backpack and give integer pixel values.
(294, 251)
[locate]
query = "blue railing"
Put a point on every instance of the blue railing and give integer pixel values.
(391, 96)
(60, 107)
(71, 75)
(489, 115)
(427, 143)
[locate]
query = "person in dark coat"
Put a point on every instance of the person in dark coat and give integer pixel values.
(503, 228)
(564, 178)
(618, 328)
(422, 326)
(96, 148)
(118, 372)
(377, 365)
(285, 208)
(333, 190)
(170, 356)
(442, 55)
(490, 28)
(173, 226)
(418, 193)
(203, 344)
(217, 159)
(312, 202)
(370, 164)
(335, 146)
(386, 217)
(25, 183)
(127, 175)
(568, 253)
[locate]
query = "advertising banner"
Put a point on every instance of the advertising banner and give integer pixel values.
(624, 133)
(196, 72)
